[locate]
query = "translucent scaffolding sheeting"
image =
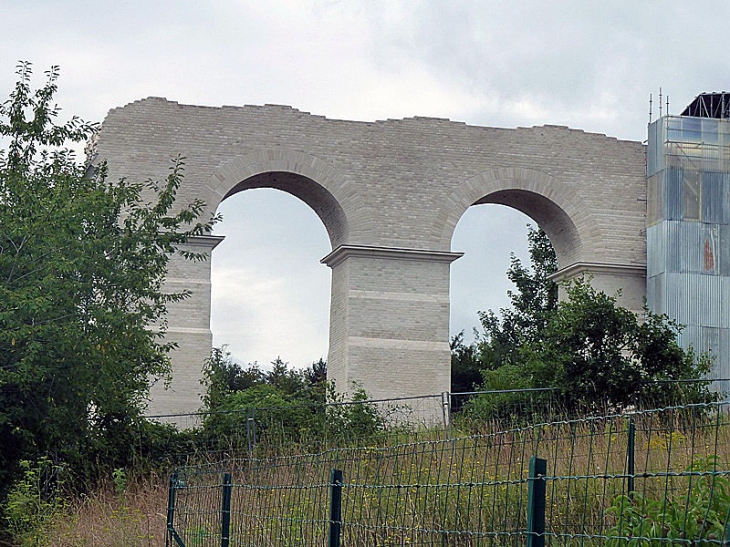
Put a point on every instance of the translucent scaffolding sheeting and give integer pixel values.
(688, 229)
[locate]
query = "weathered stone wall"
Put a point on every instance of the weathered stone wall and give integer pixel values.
(390, 194)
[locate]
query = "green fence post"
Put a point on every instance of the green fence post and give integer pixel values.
(536, 502)
(250, 430)
(630, 466)
(171, 501)
(170, 506)
(335, 508)
(446, 408)
(226, 511)
(171, 533)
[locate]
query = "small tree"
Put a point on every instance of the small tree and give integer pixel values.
(532, 303)
(82, 305)
(593, 350)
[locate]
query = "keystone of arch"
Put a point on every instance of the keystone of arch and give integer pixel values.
(302, 175)
(555, 206)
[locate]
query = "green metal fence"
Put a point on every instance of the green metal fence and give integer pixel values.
(312, 428)
(650, 477)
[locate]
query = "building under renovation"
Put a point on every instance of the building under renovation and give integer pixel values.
(688, 224)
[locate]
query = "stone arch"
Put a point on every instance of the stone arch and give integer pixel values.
(390, 194)
(551, 203)
(304, 176)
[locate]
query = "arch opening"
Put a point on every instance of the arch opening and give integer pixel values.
(316, 196)
(270, 294)
(514, 202)
(549, 216)
(487, 235)
(551, 203)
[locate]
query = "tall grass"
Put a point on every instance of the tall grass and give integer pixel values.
(470, 490)
(134, 517)
(426, 486)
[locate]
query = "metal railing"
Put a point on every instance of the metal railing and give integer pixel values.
(311, 427)
(639, 477)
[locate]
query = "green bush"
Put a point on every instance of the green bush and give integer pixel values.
(698, 518)
(33, 502)
(247, 406)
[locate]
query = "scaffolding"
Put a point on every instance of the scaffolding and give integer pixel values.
(709, 105)
(688, 224)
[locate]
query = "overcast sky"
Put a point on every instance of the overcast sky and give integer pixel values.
(581, 63)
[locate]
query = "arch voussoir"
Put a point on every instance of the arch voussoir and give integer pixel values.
(329, 196)
(552, 202)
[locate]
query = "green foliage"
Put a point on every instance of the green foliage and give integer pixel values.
(264, 405)
(594, 351)
(697, 518)
(33, 502)
(532, 305)
(275, 417)
(222, 376)
(247, 406)
(589, 350)
(465, 365)
(354, 419)
(502, 403)
(119, 476)
(82, 306)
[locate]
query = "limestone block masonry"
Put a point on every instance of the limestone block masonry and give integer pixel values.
(390, 194)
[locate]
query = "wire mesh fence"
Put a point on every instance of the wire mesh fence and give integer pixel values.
(290, 426)
(645, 477)
(294, 427)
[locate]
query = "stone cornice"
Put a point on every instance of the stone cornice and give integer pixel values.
(209, 241)
(343, 252)
(583, 268)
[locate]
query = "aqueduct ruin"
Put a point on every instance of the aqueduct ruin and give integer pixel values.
(390, 194)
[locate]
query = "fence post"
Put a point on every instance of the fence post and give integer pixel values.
(335, 508)
(226, 511)
(251, 430)
(446, 408)
(171, 506)
(536, 502)
(630, 465)
(171, 532)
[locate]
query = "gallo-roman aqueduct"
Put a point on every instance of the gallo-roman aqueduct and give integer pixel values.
(390, 194)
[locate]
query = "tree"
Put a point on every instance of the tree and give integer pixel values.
(82, 305)
(503, 334)
(465, 365)
(535, 299)
(593, 350)
(587, 348)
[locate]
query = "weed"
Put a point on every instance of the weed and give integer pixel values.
(32, 503)
(119, 475)
(698, 517)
